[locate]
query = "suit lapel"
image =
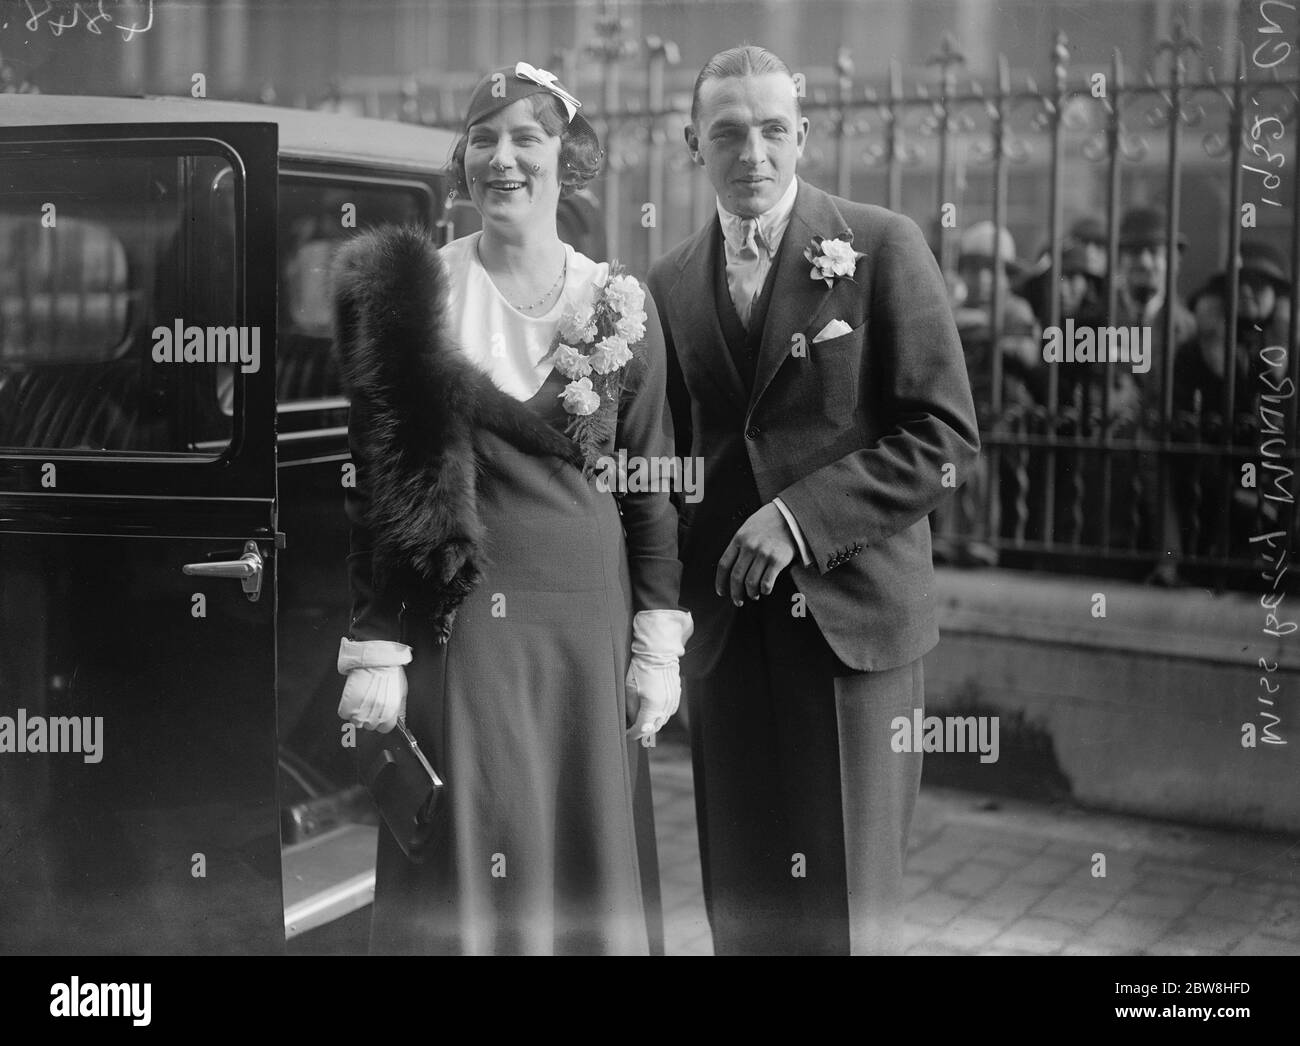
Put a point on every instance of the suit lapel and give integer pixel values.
(695, 305)
(797, 299)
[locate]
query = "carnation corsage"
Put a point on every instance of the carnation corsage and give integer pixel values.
(594, 344)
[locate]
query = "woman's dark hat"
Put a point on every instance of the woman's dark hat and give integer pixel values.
(1074, 261)
(1088, 229)
(1261, 259)
(508, 84)
(1256, 259)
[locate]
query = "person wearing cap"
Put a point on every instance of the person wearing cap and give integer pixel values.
(1263, 318)
(1132, 405)
(1089, 233)
(564, 654)
(1019, 339)
(815, 368)
(1082, 276)
(961, 524)
(1141, 273)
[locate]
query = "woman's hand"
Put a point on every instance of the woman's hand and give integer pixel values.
(653, 694)
(374, 697)
(654, 685)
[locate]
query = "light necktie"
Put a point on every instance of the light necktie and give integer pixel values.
(747, 282)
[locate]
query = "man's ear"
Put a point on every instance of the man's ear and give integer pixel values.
(693, 144)
(801, 139)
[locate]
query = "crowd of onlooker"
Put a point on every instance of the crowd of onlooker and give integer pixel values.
(1105, 484)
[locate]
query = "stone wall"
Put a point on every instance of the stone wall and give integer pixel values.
(1140, 711)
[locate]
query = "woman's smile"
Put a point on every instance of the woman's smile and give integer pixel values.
(504, 186)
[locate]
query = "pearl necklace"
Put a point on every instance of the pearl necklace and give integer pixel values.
(551, 290)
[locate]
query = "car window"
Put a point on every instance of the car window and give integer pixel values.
(316, 215)
(117, 301)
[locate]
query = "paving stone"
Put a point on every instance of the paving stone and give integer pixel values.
(935, 908)
(968, 933)
(1155, 906)
(1227, 902)
(939, 858)
(968, 838)
(933, 948)
(1039, 936)
(1198, 931)
(1108, 947)
(1173, 946)
(1116, 882)
(1009, 856)
(1259, 944)
(1046, 871)
(1279, 886)
(1283, 920)
(915, 883)
(974, 879)
(1078, 905)
(1128, 931)
(1153, 867)
(1007, 901)
(1173, 886)
(1077, 851)
(1085, 947)
(1015, 880)
(914, 933)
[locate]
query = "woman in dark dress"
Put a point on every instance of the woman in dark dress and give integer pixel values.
(569, 632)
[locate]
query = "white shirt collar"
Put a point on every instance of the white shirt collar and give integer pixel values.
(771, 223)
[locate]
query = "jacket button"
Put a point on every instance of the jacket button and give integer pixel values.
(752, 432)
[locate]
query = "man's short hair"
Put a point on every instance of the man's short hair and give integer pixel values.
(747, 60)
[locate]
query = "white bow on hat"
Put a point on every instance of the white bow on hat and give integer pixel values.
(550, 81)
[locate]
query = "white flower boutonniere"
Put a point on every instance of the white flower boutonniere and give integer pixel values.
(594, 344)
(834, 258)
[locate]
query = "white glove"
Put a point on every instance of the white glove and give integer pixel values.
(374, 697)
(653, 682)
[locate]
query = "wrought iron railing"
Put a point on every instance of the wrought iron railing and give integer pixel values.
(1069, 482)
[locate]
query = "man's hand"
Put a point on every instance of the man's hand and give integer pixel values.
(761, 549)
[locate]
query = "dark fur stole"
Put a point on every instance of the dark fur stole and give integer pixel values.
(422, 400)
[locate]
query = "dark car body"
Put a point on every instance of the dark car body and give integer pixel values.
(172, 540)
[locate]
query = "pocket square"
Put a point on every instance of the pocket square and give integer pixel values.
(832, 330)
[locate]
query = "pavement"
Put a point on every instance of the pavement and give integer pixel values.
(989, 875)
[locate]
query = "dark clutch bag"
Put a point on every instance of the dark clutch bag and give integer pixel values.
(405, 788)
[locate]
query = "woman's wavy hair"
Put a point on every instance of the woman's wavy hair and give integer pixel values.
(579, 156)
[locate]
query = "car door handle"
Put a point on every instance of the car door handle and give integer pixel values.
(247, 568)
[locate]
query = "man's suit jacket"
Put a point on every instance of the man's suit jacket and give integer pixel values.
(853, 435)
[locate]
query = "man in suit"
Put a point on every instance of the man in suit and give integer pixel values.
(823, 385)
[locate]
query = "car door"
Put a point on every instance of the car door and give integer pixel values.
(138, 805)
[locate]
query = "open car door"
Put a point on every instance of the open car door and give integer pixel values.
(138, 539)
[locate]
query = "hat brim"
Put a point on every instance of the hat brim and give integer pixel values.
(1147, 241)
(1269, 272)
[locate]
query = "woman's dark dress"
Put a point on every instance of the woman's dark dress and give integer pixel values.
(524, 709)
